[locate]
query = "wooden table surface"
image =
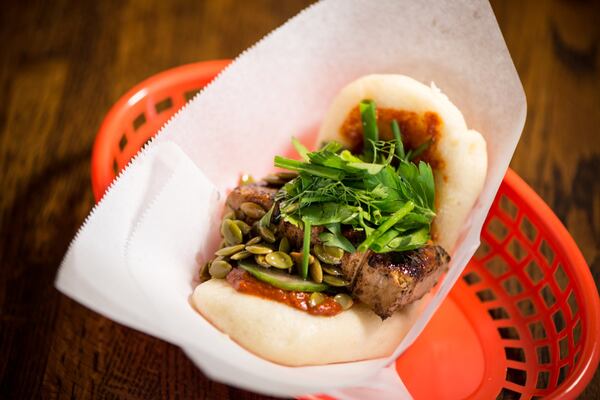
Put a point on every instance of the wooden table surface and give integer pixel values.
(64, 63)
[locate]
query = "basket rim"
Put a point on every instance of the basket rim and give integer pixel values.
(582, 374)
(584, 371)
(101, 160)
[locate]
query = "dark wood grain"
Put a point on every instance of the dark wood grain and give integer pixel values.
(65, 62)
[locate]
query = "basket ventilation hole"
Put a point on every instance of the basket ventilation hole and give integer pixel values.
(516, 250)
(563, 346)
(517, 376)
(576, 358)
(163, 105)
(562, 374)
(497, 229)
(526, 307)
(534, 272)
(115, 167)
(572, 302)
(498, 313)
(543, 380)
(483, 250)
(486, 295)
(528, 229)
(548, 296)
(122, 142)
(547, 252)
(508, 206)
(561, 278)
(507, 394)
(497, 266)
(139, 121)
(577, 332)
(472, 278)
(514, 354)
(559, 321)
(190, 94)
(512, 286)
(508, 332)
(537, 330)
(543, 355)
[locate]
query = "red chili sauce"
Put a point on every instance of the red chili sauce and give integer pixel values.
(415, 128)
(243, 282)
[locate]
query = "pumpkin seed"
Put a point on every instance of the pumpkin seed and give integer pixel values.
(329, 254)
(298, 257)
(241, 255)
(219, 269)
(343, 300)
(254, 240)
(266, 233)
(335, 281)
(252, 210)
(244, 227)
(274, 180)
(284, 245)
(230, 250)
(229, 215)
(315, 270)
(290, 208)
(245, 179)
(203, 274)
(260, 260)
(331, 270)
(231, 232)
(222, 244)
(286, 175)
(279, 259)
(259, 249)
(315, 299)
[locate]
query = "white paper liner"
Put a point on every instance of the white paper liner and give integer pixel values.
(133, 260)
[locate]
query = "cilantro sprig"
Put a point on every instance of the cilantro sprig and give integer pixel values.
(381, 192)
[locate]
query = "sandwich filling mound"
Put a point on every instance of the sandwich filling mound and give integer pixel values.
(332, 260)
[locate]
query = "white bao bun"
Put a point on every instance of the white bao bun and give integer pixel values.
(288, 336)
(285, 335)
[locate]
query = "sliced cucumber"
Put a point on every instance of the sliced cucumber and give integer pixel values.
(281, 280)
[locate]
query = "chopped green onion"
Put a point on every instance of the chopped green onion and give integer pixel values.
(398, 138)
(391, 221)
(368, 115)
(313, 169)
(302, 151)
(305, 247)
(412, 154)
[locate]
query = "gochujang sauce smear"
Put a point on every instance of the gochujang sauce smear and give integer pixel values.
(243, 282)
(416, 129)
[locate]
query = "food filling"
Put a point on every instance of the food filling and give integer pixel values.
(341, 224)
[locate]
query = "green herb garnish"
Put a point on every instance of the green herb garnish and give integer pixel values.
(381, 192)
(368, 115)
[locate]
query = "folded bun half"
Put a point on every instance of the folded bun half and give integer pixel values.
(285, 335)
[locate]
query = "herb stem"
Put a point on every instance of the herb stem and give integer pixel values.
(368, 115)
(398, 138)
(305, 247)
(389, 223)
(317, 170)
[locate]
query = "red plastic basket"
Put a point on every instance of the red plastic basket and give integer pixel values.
(522, 323)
